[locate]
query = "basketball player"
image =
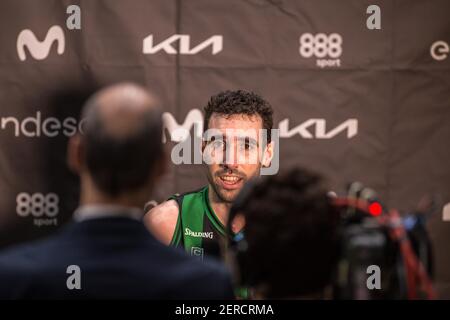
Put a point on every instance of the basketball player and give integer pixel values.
(196, 220)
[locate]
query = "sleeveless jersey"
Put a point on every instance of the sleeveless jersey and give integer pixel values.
(198, 229)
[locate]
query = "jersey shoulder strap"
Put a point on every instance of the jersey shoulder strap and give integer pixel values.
(190, 215)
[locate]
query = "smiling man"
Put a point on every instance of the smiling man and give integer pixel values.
(234, 151)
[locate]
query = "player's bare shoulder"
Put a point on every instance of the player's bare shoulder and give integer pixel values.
(161, 220)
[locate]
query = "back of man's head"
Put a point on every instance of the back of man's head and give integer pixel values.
(290, 234)
(121, 138)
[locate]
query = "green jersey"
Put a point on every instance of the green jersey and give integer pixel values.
(198, 229)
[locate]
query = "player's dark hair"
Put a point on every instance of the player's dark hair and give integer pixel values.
(229, 103)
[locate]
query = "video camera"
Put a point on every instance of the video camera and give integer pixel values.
(382, 255)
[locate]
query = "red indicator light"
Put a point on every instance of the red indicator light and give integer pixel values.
(375, 209)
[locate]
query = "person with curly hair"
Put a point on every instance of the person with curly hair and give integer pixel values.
(195, 220)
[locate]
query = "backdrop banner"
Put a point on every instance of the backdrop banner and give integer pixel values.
(359, 93)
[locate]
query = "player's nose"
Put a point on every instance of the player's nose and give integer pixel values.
(231, 157)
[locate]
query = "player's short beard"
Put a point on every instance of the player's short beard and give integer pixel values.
(219, 196)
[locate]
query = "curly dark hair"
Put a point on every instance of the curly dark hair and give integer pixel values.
(291, 234)
(240, 102)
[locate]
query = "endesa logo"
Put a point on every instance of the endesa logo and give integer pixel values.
(439, 50)
(38, 125)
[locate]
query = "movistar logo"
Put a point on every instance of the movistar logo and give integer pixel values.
(195, 234)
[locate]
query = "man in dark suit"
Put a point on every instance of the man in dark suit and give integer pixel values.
(106, 252)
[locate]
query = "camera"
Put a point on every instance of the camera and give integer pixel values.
(382, 254)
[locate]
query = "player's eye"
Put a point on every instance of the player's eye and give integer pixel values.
(218, 144)
(246, 144)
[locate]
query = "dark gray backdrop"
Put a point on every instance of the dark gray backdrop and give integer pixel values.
(388, 81)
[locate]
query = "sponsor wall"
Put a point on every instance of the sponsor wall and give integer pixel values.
(353, 102)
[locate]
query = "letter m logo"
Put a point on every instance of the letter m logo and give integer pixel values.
(184, 40)
(39, 50)
(180, 132)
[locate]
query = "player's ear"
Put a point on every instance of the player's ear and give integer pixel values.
(75, 154)
(267, 155)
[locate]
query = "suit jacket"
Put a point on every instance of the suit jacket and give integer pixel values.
(117, 259)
